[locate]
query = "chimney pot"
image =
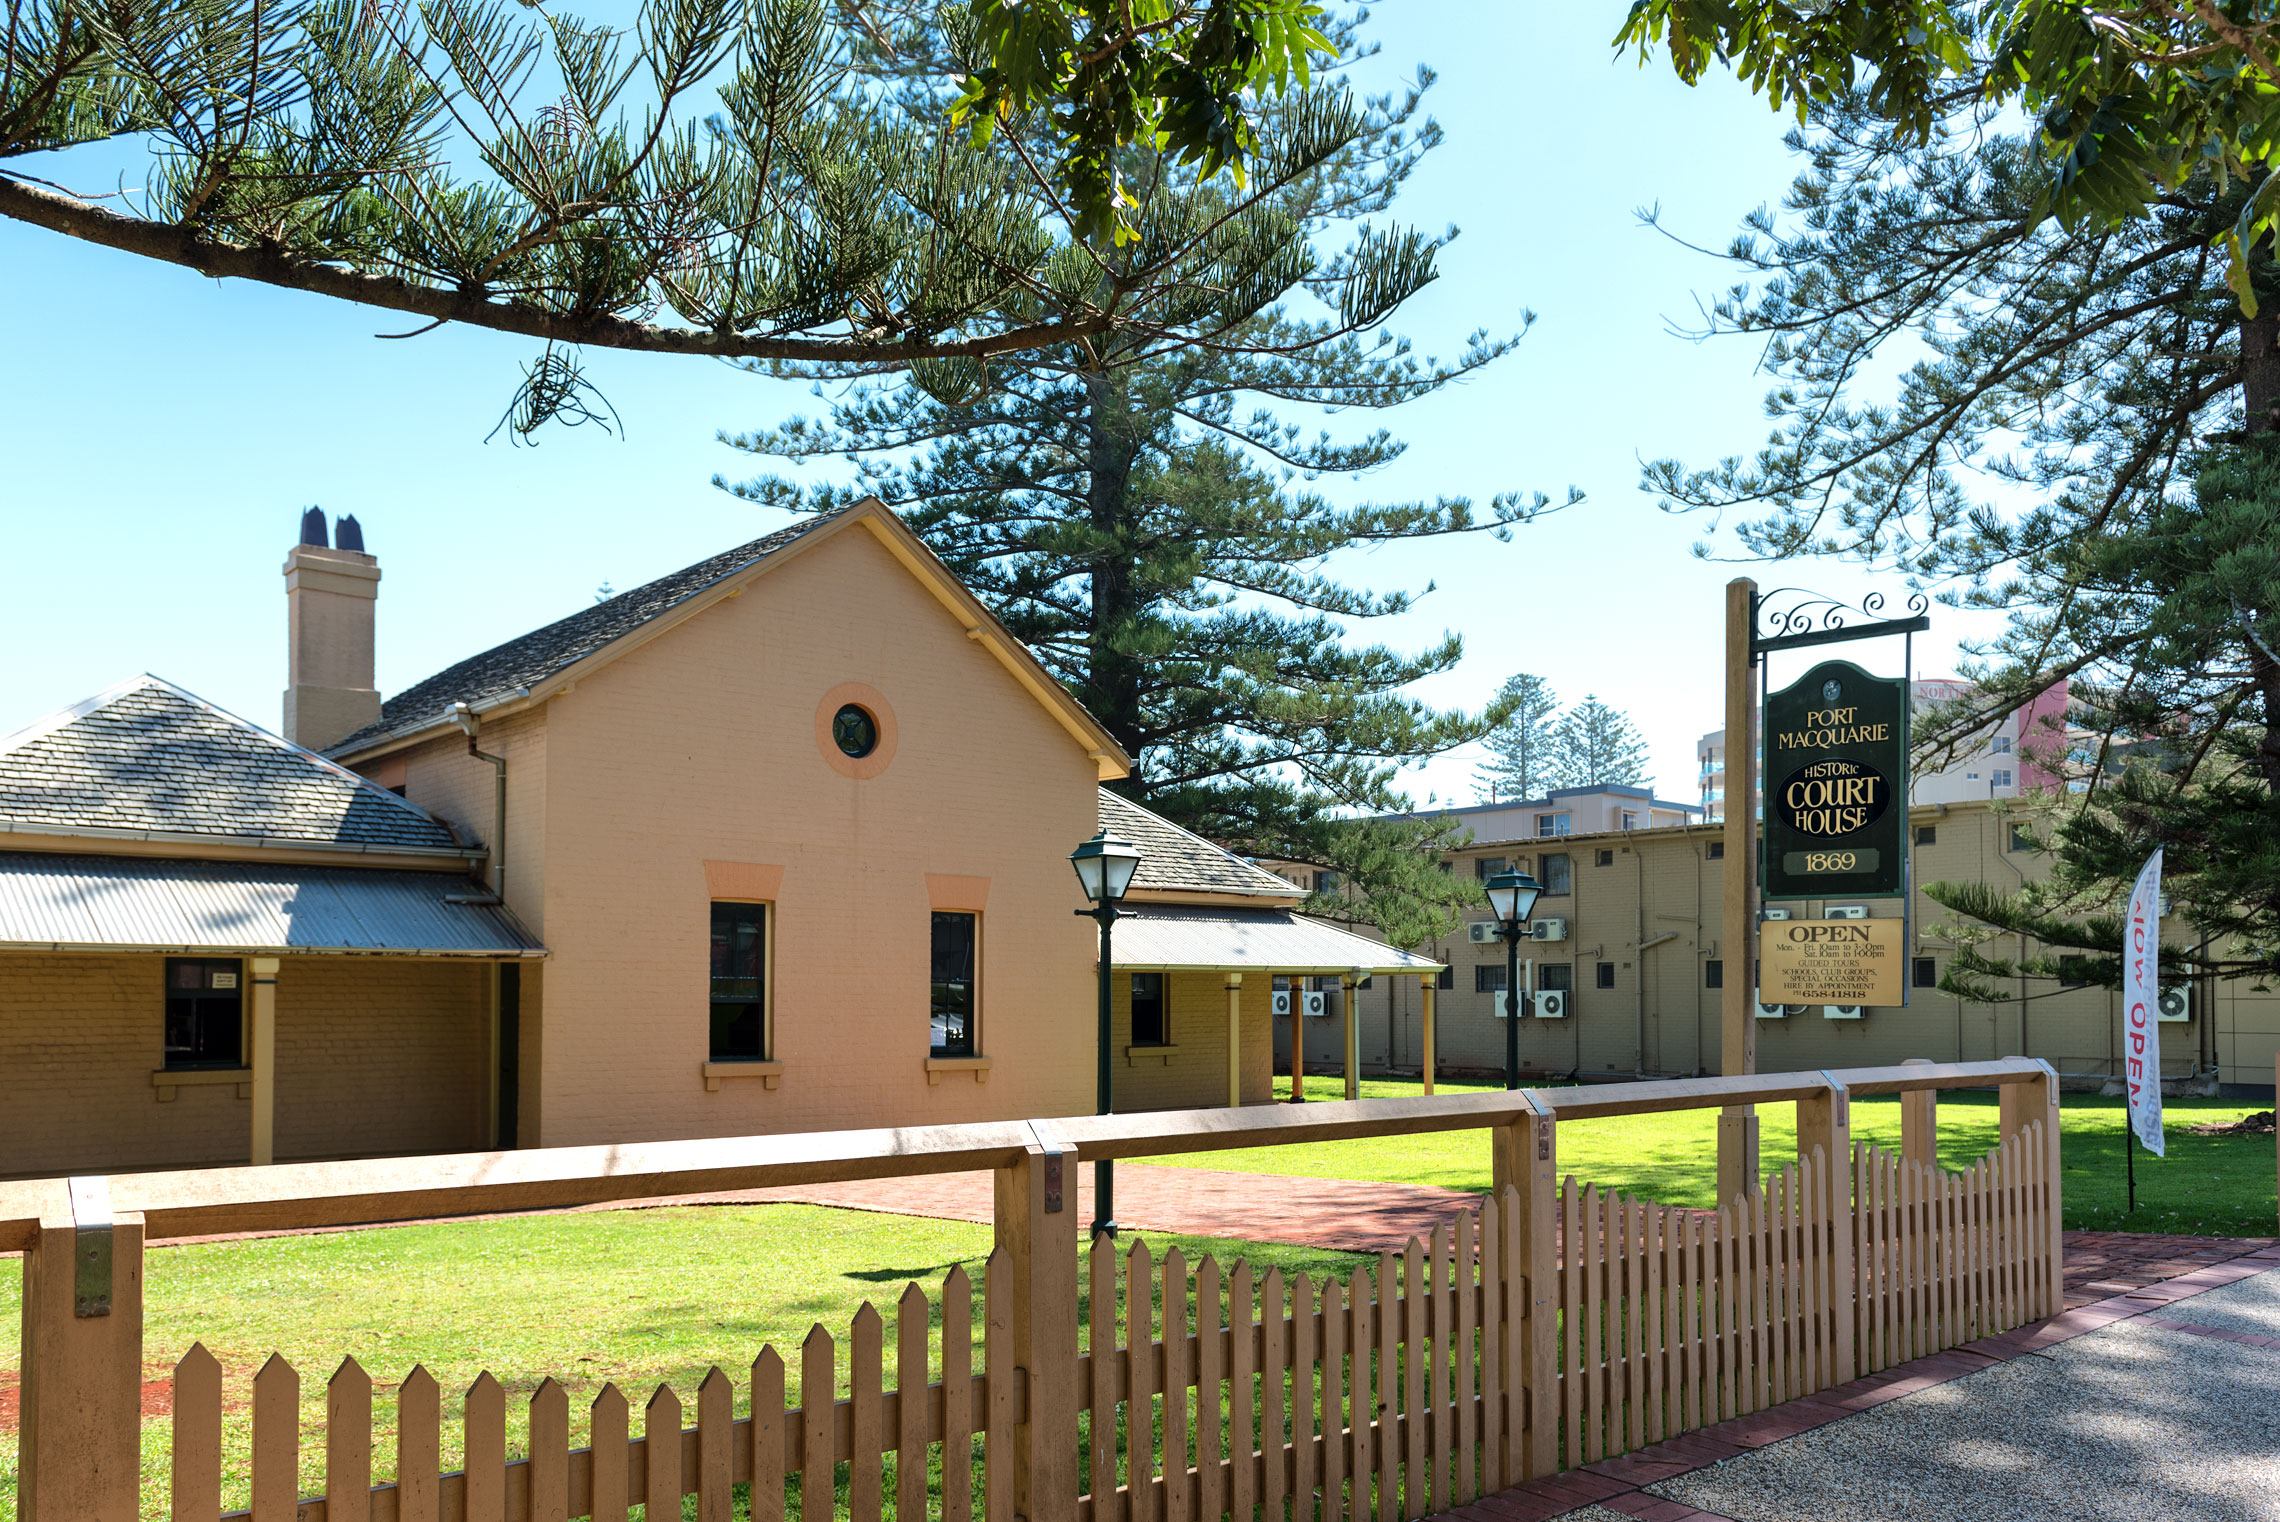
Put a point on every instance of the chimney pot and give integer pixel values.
(348, 534)
(313, 528)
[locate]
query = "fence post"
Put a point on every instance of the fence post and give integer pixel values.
(1825, 1121)
(79, 1425)
(1920, 1120)
(2023, 1102)
(1036, 1219)
(1535, 1164)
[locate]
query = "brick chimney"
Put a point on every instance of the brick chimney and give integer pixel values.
(329, 602)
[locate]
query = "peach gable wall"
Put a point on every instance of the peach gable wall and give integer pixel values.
(701, 746)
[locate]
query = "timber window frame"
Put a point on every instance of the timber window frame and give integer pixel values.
(740, 945)
(954, 984)
(203, 1024)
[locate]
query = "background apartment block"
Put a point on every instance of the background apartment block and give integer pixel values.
(1628, 931)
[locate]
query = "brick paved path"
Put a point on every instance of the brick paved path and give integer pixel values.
(1357, 1217)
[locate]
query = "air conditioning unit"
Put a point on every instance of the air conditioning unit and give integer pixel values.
(1481, 932)
(1777, 914)
(1282, 1001)
(1778, 1011)
(2175, 1004)
(1845, 912)
(1547, 930)
(1317, 1004)
(1551, 1004)
(1841, 1012)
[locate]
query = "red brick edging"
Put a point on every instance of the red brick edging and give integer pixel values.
(1616, 1483)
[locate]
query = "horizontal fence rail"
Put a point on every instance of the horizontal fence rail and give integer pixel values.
(1558, 1325)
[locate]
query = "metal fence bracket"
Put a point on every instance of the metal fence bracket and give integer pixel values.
(91, 1246)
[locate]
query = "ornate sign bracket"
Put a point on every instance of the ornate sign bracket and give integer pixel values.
(1817, 620)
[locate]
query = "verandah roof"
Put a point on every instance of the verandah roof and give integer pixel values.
(1173, 938)
(122, 903)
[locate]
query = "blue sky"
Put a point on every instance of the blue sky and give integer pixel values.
(163, 431)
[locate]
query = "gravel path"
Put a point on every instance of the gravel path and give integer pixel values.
(2132, 1423)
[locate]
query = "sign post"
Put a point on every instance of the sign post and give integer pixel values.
(1737, 943)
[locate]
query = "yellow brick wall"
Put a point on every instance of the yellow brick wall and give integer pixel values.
(384, 1056)
(1193, 1074)
(378, 1056)
(700, 745)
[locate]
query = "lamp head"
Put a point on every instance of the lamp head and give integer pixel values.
(1512, 896)
(1105, 865)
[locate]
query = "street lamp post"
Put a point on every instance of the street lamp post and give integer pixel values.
(1105, 865)
(1512, 899)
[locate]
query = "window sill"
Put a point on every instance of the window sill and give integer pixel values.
(937, 1066)
(1161, 1054)
(167, 1080)
(769, 1073)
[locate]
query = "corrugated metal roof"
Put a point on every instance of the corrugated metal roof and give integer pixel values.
(1153, 936)
(155, 904)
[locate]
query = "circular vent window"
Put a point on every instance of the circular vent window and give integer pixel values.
(854, 731)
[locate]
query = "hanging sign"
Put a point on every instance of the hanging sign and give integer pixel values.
(2141, 1005)
(1843, 962)
(1836, 785)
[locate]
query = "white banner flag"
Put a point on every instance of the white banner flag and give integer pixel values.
(2141, 1003)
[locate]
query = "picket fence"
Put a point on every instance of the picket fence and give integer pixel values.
(1383, 1395)
(1558, 1325)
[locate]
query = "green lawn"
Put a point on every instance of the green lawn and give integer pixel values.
(638, 1297)
(2207, 1186)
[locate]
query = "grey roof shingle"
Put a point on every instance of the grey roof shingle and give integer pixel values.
(1173, 860)
(148, 757)
(532, 658)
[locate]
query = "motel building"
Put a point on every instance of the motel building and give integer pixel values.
(776, 843)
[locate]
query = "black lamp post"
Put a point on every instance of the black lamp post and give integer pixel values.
(1512, 899)
(1105, 865)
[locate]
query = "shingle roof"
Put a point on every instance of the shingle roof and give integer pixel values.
(146, 757)
(1173, 860)
(532, 658)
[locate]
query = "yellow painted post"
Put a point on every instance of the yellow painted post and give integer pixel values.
(1920, 1121)
(1738, 1170)
(1824, 1122)
(79, 1422)
(1352, 1011)
(1234, 1039)
(1297, 1039)
(1036, 1220)
(262, 1029)
(1430, 982)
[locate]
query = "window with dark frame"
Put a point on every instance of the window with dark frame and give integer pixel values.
(1927, 972)
(1713, 973)
(1148, 1024)
(1606, 975)
(1446, 979)
(1927, 834)
(1605, 859)
(1559, 874)
(1488, 978)
(956, 936)
(2022, 838)
(1717, 851)
(739, 982)
(205, 1012)
(1488, 866)
(1556, 977)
